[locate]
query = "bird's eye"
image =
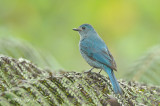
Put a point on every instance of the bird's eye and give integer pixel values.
(83, 28)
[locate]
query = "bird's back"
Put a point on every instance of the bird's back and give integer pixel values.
(88, 47)
(95, 51)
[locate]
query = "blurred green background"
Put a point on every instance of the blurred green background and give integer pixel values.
(129, 27)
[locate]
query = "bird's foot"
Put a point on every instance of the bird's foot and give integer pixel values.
(89, 71)
(100, 71)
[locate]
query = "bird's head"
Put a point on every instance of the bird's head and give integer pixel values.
(85, 30)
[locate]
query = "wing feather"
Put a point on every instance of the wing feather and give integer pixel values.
(99, 53)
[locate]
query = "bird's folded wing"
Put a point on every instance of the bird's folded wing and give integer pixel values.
(101, 55)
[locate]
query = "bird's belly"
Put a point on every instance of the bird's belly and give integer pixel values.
(91, 62)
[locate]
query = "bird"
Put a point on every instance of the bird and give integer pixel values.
(94, 50)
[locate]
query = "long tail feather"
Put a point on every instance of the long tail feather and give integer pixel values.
(113, 80)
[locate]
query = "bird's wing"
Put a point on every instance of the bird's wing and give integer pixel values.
(100, 54)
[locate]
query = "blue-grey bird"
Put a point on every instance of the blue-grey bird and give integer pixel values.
(95, 52)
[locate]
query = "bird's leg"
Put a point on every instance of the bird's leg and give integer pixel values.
(89, 71)
(100, 71)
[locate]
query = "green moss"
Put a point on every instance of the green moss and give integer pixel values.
(23, 83)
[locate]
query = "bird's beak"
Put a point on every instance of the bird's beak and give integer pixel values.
(77, 29)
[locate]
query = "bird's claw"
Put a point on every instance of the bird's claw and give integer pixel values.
(100, 71)
(89, 71)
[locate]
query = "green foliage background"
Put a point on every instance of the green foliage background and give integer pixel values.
(129, 28)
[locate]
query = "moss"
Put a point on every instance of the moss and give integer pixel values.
(23, 83)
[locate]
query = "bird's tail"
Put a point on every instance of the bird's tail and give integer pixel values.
(113, 80)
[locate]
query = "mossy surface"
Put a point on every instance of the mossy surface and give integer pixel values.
(23, 84)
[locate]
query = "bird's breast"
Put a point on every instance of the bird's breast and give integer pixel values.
(90, 60)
